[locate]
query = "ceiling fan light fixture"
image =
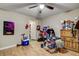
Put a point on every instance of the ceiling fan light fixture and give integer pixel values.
(41, 6)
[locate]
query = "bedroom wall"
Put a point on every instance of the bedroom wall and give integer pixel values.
(55, 21)
(20, 21)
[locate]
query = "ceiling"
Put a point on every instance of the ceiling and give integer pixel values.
(23, 8)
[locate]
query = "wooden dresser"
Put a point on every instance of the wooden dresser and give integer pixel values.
(70, 41)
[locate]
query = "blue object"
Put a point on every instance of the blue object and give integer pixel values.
(25, 42)
(52, 46)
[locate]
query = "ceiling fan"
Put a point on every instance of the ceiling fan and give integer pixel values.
(42, 6)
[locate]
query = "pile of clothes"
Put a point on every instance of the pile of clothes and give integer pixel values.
(49, 40)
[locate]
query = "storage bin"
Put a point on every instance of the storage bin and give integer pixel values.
(25, 42)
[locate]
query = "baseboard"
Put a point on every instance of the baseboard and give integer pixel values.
(7, 47)
(34, 39)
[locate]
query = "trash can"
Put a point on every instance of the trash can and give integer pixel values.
(25, 42)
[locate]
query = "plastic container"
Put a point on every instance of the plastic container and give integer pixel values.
(25, 42)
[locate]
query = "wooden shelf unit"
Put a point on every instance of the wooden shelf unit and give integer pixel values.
(70, 42)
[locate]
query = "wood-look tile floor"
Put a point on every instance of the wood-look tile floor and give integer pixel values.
(33, 50)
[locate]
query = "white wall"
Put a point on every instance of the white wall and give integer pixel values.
(55, 21)
(20, 21)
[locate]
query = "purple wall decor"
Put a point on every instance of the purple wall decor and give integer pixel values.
(8, 28)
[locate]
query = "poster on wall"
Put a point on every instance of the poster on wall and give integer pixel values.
(8, 28)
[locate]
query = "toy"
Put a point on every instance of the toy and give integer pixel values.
(26, 27)
(38, 27)
(25, 40)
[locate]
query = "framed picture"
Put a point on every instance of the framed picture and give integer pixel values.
(8, 28)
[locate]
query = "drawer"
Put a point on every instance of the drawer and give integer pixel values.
(65, 44)
(68, 44)
(66, 33)
(69, 39)
(75, 40)
(76, 46)
(72, 45)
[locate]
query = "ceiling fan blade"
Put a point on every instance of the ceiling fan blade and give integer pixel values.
(50, 7)
(33, 6)
(58, 5)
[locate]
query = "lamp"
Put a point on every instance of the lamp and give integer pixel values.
(41, 6)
